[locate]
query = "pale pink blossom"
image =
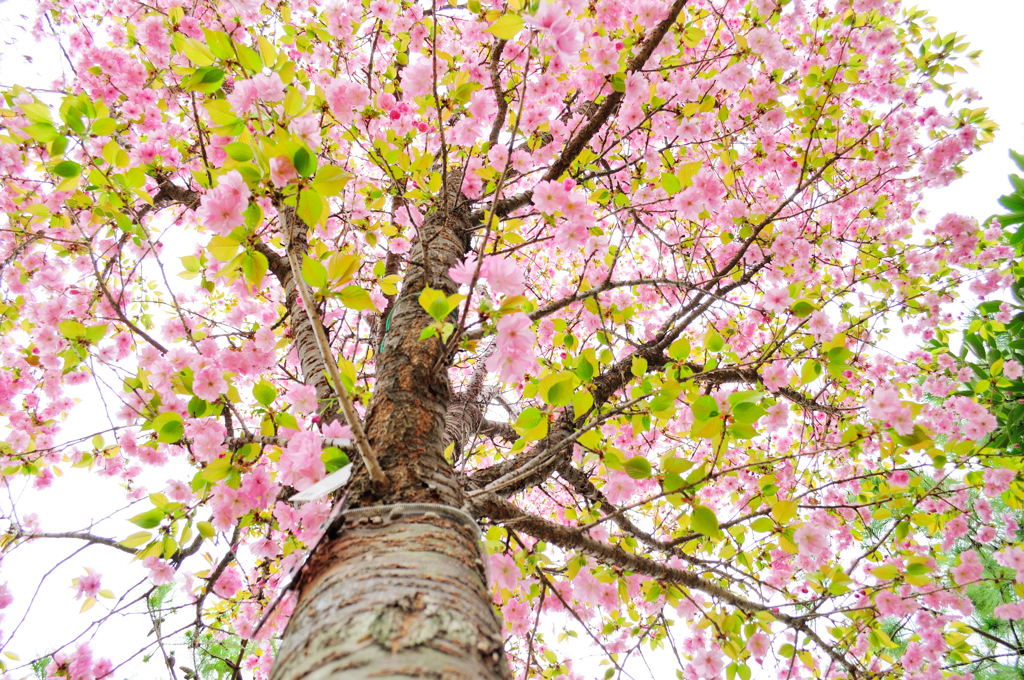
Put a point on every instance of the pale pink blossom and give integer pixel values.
(228, 583)
(758, 645)
(997, 480)
(160, 572)
(208, 383)
(777, 300)
(504, 276)
(504, 571)
(88, 585)
(269, 87)
(282, 171)
(620, 487)
(812, 538)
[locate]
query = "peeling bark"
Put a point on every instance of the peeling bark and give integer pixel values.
(400, 596)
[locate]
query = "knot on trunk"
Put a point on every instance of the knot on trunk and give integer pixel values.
(410, 621)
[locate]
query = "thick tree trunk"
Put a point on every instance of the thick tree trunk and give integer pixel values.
(397, 596)
(403, 595)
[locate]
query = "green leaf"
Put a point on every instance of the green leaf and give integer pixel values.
(239, 151)
(137, 539)
(529, 419)
(713, 341)
(149, 519)
(434, 303)
(355, 297)
(222, 248)
(264, 392)
(704, 521)
(803, 308)
(67, 169)
(465, 91)
(784, 511)
(305, 162)
(312, 209)
(334, 458)
(42, 132)
(639, 366)
(168, 427)
(886, 572)
(206, 80)
(670, 183)
(705, 408)
(762, 525)
(206, 529)
(581, 402)
(506, 27)
(680, 349)
(104, 126)
(330, 180)
(637, 467)
(313, 272)
(219, 44)
(249, 59)
(255, 267)
(560, 393)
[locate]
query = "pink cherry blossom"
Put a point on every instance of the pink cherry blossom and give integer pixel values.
(228, 583)
(282, 171)
(301, 464)
(302, 398)
(462, 273)
(620, 487)
(708, 663)
(899, 478)
(997, 480)
(160, 572)
(208, 383)
(969, 569)
(758, 645)
(88, 585)
(399, 245)
(777, 300)
(269, 87)
(504, 276)
(812, 539)
(776, 376)
(504, 571)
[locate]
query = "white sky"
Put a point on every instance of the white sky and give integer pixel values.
(990, 25)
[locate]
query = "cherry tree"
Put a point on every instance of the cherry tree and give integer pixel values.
(594, 299)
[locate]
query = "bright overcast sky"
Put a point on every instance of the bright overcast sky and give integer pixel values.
(990, 25)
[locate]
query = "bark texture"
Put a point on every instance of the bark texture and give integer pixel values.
(403, 596)
(398, 596)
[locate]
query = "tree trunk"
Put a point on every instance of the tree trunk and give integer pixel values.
(398, 596)
(403, 594)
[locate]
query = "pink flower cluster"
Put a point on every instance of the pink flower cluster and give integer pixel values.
(78, 665)
(301, 464)
(969, 570)
(268, 88)
(221, 210)
(885, 405)
(1012, 558)
(88, 585)
(514, 348)
(560, 29)
(503, 275)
